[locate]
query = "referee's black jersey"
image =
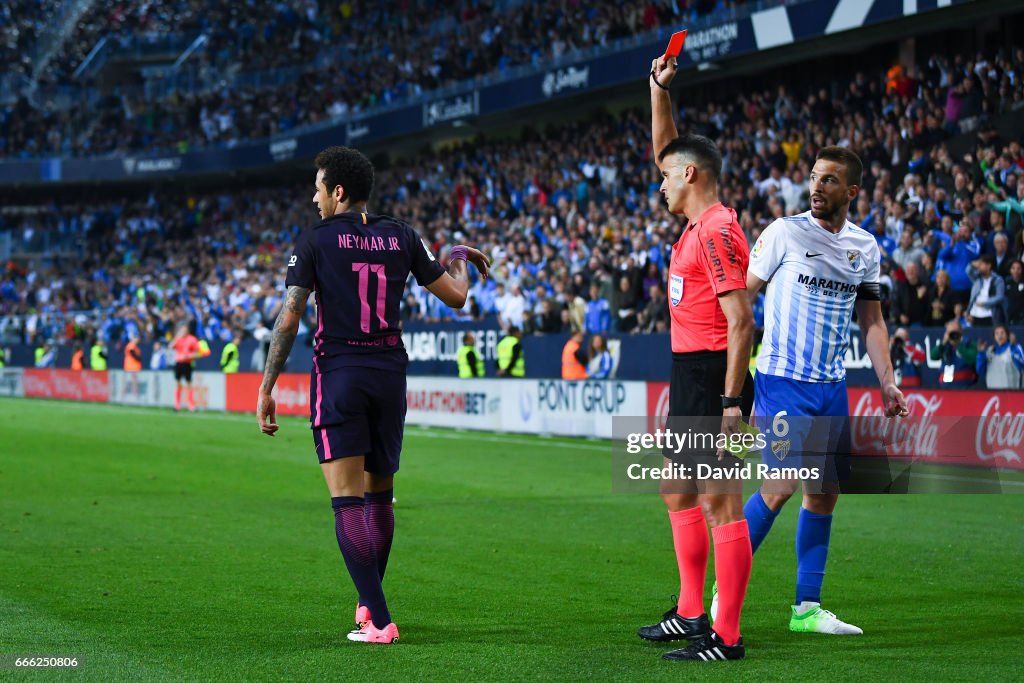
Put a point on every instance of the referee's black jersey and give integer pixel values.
(357, 265)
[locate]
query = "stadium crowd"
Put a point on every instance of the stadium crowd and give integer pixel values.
(21, 24)
(573, 217)
(387, 56)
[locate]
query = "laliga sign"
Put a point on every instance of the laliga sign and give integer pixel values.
(565, 79)
(356, 131)
(451, 108)
(281, 150)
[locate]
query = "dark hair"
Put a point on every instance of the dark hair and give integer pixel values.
(349, 168)
(989, 259)
(850, 161)
(700, 148)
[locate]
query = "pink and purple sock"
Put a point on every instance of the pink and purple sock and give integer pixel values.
(356, 544)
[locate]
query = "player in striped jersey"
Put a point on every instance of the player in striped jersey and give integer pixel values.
(819, 267)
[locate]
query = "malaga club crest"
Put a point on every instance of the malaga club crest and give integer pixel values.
(853, 256)
(780, 449)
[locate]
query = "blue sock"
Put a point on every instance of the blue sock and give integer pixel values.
(759, 519)
(812, 535)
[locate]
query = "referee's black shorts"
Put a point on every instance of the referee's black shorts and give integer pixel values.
(183, 371)
(695, 408)
(698, 383)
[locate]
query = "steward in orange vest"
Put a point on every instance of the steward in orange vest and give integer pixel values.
(132, 356)
(574, 358)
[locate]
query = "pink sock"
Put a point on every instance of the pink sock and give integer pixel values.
(191, 401)
(177, 398)
(690, 538)
(733, 560)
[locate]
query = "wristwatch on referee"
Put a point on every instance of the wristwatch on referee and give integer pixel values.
(731, 401)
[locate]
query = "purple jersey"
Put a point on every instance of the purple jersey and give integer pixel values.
(357, 265)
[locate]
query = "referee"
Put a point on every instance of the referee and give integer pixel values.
(711, 330)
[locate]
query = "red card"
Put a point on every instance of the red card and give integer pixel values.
(675, 44)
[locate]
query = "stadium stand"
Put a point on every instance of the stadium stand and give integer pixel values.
(560, 210)
(286, 55)
(22, 22)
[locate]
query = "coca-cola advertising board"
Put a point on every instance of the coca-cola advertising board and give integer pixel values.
(657, 404)
(291, 393)
(975, 428)
(72, 385)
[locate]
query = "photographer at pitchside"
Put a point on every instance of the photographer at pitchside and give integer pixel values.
(958, 357)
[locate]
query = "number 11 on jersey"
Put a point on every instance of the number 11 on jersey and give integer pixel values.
(364, 270)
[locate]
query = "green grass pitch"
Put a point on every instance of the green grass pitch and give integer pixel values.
(158, 546)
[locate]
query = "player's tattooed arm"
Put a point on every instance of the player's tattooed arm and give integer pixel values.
(283, 337)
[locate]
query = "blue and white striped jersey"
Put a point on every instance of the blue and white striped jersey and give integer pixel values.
(813, 277)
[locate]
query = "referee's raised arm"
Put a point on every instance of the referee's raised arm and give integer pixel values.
(663, 128)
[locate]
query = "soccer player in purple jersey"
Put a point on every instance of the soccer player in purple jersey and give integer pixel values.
(356, 265)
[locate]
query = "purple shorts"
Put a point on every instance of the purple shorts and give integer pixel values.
(359, 411)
